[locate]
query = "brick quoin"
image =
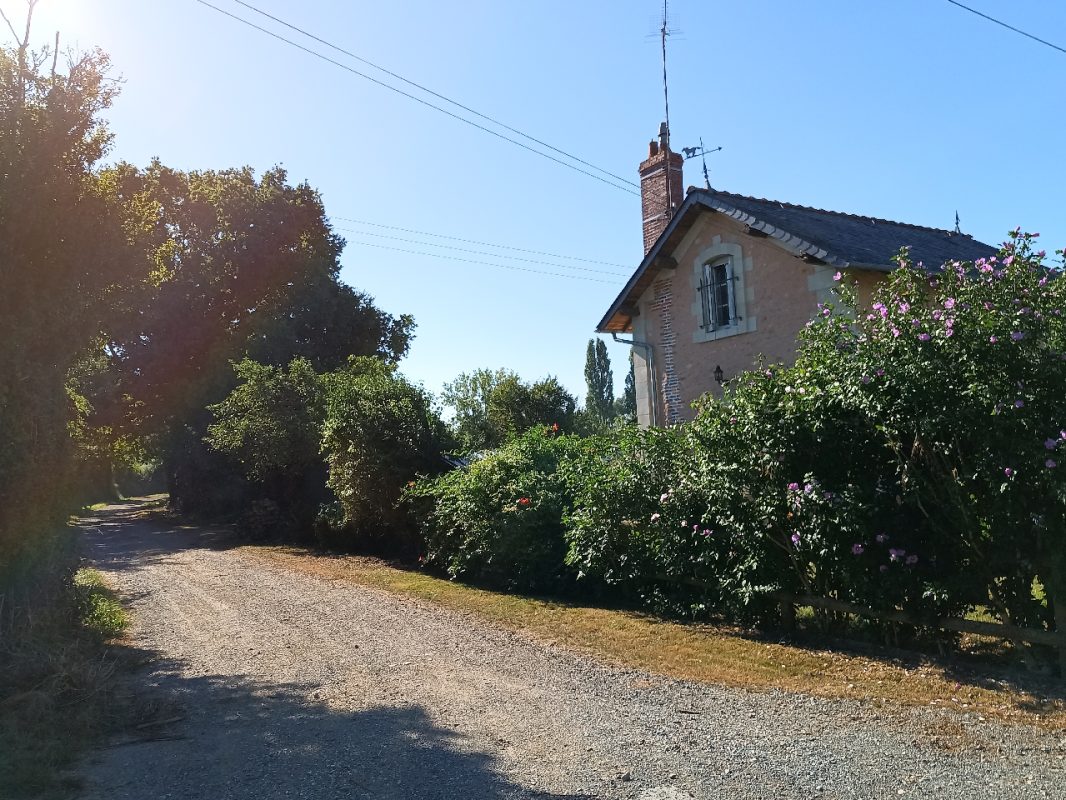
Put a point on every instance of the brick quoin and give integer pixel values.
(671, 388)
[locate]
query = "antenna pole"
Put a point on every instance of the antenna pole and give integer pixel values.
(666, 91)
(665, 31)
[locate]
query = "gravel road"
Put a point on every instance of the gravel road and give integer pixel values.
(290, 686)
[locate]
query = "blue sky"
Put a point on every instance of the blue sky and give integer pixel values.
(907, 110)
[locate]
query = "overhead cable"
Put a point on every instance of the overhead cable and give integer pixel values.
(410, 96)
(1008, 27)
(485, 263)
(483, 244)
(429, 91)
(480, 252)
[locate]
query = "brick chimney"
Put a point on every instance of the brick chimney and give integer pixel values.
(661, 186)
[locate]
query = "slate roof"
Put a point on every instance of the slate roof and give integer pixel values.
(852, 239)
(831, 237)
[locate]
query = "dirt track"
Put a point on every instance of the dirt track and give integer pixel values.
(292, 686)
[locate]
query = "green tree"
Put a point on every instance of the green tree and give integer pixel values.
(514, 407)
(599, 381)
(64, 262)
(242, 266)
(469, 396)
(381, 432)
(625, 406)
(271, 425)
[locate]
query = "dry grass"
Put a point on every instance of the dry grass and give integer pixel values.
(57, 680)
(705, 653)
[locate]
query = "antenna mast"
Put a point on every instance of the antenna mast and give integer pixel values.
(665, 31)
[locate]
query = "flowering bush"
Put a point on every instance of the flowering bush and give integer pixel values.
(909, 459)
(499, 521)
(958, 378)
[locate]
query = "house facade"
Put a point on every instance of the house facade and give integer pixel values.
(727, 279)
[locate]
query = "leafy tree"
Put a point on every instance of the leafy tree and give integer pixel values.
(469, 396)
(599, 381)
(380, 433)
(63, 263)
(270, 422)
(625, 406)
(242, 266)
(514, 407)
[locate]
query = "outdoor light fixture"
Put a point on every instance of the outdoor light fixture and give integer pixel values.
(718, 374)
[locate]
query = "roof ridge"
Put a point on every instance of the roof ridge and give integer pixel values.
(865, 217)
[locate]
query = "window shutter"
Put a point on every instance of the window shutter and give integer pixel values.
(732, 293)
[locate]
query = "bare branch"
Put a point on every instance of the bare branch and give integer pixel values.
(10, 27)
(30, 5)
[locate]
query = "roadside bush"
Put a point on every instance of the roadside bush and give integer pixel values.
(499, 522)
(269, 426)
(629, 524)
(908, 460)
(380, 433)
(958, 376)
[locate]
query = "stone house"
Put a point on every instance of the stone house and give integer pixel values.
(728, 278)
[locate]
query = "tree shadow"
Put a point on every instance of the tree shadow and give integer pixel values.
(129, 535)
(237, 737)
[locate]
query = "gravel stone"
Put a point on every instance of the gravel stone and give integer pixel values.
(293, 686)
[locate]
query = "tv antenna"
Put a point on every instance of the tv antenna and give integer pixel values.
(664, 31)
(701, 151)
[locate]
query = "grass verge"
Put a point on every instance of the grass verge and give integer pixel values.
(57, 687)
(711, 654)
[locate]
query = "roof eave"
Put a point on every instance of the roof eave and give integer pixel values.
(710, 202)
(649, 263)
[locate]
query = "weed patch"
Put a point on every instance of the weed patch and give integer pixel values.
(57, 687)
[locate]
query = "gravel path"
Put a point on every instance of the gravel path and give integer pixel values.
(297, 687)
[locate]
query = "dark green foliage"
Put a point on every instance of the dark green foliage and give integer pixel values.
(62, 258)
(599, 381)
(618, 530)
(499, 522)
(270, 426)
(515, 407)
(380, 433)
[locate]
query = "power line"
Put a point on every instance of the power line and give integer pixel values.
(429, 91)
(485, 263)
(483, 244)
(410, 96)
(479, 252)
(1008, 27)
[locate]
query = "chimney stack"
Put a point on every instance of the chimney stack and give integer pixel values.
(661, 186)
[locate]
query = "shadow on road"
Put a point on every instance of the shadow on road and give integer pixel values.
(238, 738)
(132, 534)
